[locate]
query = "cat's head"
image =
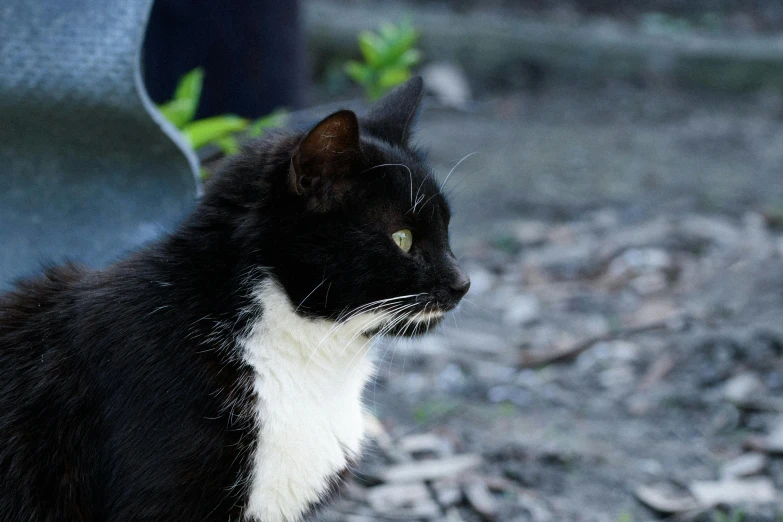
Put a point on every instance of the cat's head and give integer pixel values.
(358, 226)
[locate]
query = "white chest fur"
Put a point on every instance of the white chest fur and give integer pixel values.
(309, 380)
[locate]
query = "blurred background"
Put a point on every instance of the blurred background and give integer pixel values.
(615, 173)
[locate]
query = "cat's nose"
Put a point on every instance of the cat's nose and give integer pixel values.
(459, 285)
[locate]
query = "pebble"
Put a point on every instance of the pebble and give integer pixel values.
(607, 354)
(638, 261)
(403, 500)
(447, 492)
(477, 341)
(773, 443)
(522, 309)
(742, 388)
(650, 283)
(621, 377)
(513, 394)
(452, 378)
(481, 499)
(654, 311)
(448, 83)
(530, 233)
(481, 280)
(665, 499)
(712, 229)
(734, 491)
(425, 443)
(430, 469)
(744, 466)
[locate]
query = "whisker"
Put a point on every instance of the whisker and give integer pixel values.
(454, 167)
(395, 165)
(308, 295)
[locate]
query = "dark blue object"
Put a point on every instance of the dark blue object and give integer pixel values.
(252, 53)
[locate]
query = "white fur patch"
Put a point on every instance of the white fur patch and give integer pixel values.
(309, 380)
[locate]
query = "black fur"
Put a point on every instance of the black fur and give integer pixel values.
(122, 396)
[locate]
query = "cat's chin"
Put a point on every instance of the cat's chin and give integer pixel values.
(415, 326)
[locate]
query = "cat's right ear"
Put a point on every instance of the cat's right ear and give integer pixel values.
(326, 156)
(392, 117)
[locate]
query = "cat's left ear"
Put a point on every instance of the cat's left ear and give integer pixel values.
(326, 156)
(392, 117)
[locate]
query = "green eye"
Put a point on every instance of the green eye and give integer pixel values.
(404, 239)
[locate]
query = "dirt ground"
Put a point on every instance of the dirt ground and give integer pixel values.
(620, 354)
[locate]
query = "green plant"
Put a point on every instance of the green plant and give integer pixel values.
(217, 130)
(737, 516)
(433, 409)
(388, 56)
(625, 516)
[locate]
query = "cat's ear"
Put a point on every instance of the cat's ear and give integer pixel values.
(393, 115)
(326, 155)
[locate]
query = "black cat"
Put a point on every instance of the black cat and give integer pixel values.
(217, 374)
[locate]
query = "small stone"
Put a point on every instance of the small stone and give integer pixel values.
(404, 500)
(507, 393)
(773, 443)
(663, 499)
(522, 309)
(477, 341)
(430, 469)
(537, 510)
(448, 83)
(647, 284)
(452, 515)
(447, 492)
(715, 230)
(481, 280)
(619, 377)
(653, 312)
(607, 354)
(425, 443)
(452, 378)
(489, 371)
(481, 499)
(734, 491)
(742, 388)
(428, 345)
(744, 465)
(638, 261)
(565, 262)
(530, 233)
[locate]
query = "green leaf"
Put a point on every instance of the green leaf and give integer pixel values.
(409, 58)
(276, 118)
(201, 132)
(372, 48)
(392, 77)
(178, 112)
(189, 86)
(388, 58)
(228, 144)
(358, 72)
(406, 41)
(389, 32)
(186, 98)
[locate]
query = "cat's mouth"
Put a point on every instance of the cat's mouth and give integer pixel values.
(411, 323)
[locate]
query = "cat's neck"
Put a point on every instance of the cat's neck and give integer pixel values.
(307, 342)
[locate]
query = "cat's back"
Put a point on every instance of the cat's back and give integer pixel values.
(34, 299)
(42, 398)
